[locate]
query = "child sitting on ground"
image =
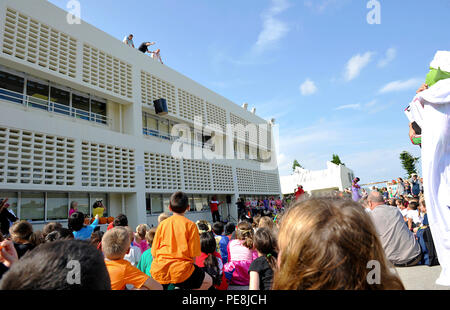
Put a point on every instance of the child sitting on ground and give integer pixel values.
(229, 230)
(115, 244)
(210, 261)
(146, 259)
(261, 269)
(240, 255)
(134, 254)
(175, 246)
(221, 241)
(141, 231)
(23, 237)
(413, 217)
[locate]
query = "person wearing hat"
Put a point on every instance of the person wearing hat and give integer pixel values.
(98, 208)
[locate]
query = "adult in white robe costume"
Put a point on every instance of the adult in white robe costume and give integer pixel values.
(431, 110)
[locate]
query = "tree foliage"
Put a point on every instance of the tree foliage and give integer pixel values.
(336, 160)
(295, 165)
(409, 162)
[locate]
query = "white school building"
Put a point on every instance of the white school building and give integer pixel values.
(77, 123)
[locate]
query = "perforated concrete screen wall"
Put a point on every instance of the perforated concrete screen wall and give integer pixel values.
(35, 42)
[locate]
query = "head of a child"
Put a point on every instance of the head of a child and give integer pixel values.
(120, 221)
(266, 245)
(422, 206)
(150, 235)
(413, 205)
(267, 222)
(59, 234)
(52, 226)
(256, 220)
(179, 203)
(203, 226)
(76, 221)
(208, 243)
(244, 233)
(218, 228)
(326, 243)
(141, 231)
(230, 228)
(116, 243)
(51, 265)
(22, 232)
(162, 217)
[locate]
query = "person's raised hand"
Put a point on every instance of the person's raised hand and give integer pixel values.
(8, 253)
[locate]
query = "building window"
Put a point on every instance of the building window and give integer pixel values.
(99, 108)
(12, 201)
(57, 206)
(156, 204)
(32, 206)
(12, 83)
(61, 100)
(81, 103)
(37, 94)
(83, 202)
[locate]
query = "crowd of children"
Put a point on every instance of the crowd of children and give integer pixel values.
(316, 243)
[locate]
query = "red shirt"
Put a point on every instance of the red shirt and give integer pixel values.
(299, 192)
(214, 205)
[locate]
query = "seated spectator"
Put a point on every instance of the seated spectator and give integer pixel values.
(134, 253)
(229, 230)
(256, 220)
(23, 237)
(80, 231)
(326, 244)
(261, 269)
(267, 222)
(145, 263)
(139, 237)
(157, 55)
(96, 239)
(399, 243)
(162, 217)
(115, 245)
(49, 267)
(120, 220)
(221, 240)
(240, 255)
(59, 234)
(144, 47)
(128, 40)
(52, 226)
(203, 226)
(211, 261)
(412, 215)
(176, 244)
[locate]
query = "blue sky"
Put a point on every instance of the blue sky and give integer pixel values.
(334, 82)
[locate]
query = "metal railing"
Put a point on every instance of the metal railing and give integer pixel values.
(169, 137)
(52, 107)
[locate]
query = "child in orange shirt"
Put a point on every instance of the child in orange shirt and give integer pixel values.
(115, 244)
(175, 247)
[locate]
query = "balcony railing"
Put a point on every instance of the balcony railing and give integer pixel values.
(169, 137)
(52, 107)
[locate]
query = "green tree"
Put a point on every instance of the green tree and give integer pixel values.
(409, 162)
(336, 160)
(295, 165)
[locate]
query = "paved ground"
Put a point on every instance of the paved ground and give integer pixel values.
(421, 278)
(413, 278)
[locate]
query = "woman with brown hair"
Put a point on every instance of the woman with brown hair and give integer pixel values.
(23, 237)
(329, 243)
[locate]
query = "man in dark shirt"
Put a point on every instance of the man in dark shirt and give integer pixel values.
(144, 47)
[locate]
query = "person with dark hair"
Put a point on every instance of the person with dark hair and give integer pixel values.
(210, 261)
(80, 231)
(144, 47)
(59, 265)
(214, 205)
(24, 238)
(50, 227)
(98, 208)
(356, 196)
(59, 234)
(261, 269)
(221, 240)
(96, 239)
(176, 244)
(128, 40)
(230, 228)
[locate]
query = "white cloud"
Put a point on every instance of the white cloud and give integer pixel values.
(356, 106)
(273, 29)
(399, 85)
(308, 88)
(356, 64)
(391, 53)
